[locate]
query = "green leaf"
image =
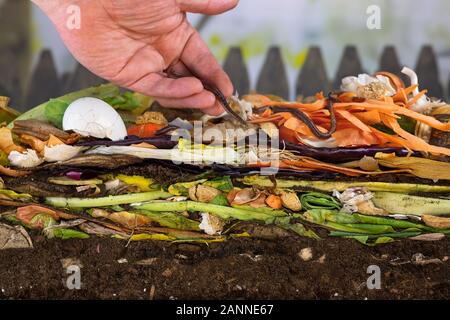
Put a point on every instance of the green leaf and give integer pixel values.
(368, 242)
(68, 234)
(156, 237)
(116, 208)
(401, 224)
(181, 188)
(220, 200)
(12, 218)
(54, 111)
(320, 216)
(361, 228)
(126, 101)
(406, 123)
(316, 200)
(345, 222)
(383, 128)
(399, 234)
(362, 239)
(170, 220)
(221, 183)
(298, 228)
(41, 111)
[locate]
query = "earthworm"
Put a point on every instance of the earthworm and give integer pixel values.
(217, 93)
(303, 117)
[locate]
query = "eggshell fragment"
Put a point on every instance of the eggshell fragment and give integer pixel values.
(95, 118)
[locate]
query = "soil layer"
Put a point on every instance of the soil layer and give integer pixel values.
(240, 268)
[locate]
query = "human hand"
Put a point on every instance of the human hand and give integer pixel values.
(136, 43)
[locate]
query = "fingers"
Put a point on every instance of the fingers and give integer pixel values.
(143, 73)
(215, 110)
(197, 58)
(157, 85)
(179, 69)
(202, 100)
(210, 7)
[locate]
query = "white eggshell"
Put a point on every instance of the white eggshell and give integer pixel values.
(95, 118)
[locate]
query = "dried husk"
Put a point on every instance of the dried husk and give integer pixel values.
(291, 201)
(203, 193)
(245, 196)
(436, 222)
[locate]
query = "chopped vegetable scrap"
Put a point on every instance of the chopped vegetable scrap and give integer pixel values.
(359, 163)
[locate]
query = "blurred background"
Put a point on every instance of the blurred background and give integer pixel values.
(255, 25)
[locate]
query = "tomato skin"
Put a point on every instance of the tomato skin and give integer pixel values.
(147, 130)
(287, 134)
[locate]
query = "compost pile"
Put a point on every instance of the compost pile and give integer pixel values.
(368, 162)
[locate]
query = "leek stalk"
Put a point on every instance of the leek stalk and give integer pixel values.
(60, 202)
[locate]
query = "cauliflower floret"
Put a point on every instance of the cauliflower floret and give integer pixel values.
(211, 224)
(368, 87)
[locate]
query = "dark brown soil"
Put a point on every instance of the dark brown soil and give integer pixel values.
(240, 268)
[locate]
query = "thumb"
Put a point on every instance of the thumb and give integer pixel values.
(209, 7)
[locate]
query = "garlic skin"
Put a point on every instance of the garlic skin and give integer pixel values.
(61, 152)
(423, 104)
(113, 184)
(92, 117)
(246, 107)
(358, 199)
(365, 81)
(27, 159)
(211, 224)
(317, 143)
(351, 197)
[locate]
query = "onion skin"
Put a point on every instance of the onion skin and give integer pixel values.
(75, 175)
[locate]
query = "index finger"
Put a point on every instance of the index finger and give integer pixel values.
(201, 62)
